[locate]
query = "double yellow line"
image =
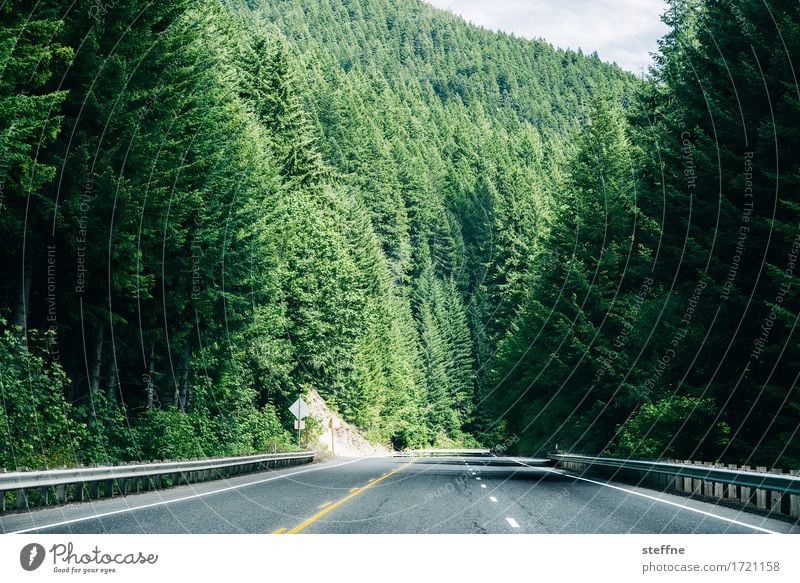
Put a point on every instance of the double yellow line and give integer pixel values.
(328, 506)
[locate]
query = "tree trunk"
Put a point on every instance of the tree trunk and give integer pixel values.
(71, 368)
(97, 359)
(23, 298)
(182, 389)
(111, 378)
(149, 387)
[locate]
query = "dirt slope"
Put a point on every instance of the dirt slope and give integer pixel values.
(348, 440)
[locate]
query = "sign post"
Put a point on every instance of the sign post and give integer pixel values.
(334, 424)
(300, 410)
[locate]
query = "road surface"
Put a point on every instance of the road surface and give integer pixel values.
(454, 494)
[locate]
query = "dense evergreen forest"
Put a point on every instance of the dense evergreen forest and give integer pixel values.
(456, 236)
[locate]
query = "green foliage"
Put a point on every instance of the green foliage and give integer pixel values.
(669, 428)
(168, 434)
(246, 203)
(656, 319)
(37, 426)
(455, 235)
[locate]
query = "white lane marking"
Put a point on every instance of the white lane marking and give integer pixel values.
(477, 479)
(473, 473)
(165, 502)
(670, 503)
(483, 485)
(512, 522)
(492, 498)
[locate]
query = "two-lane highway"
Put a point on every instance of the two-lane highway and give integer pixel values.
(451, 494)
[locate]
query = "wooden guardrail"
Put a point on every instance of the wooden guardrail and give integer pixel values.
(775, 491)
(40, 488)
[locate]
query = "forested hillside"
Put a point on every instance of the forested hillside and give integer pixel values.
(454, 235)
(663, 322)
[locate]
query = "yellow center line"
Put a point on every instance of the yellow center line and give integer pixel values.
(279, 530)
(328, 503)
(341, 501)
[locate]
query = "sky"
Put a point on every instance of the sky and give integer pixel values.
(622, 31)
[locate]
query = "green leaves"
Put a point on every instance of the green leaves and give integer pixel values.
(37, 426)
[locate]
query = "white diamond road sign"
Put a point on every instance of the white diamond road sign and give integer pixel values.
(299, 408)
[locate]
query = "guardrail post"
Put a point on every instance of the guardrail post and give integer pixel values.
(708, 486)
(776, 498)
(22, 499)
(747, 496)
(696, 485)
(108, 488)
(733, 489)
(61, 494)
(761, 495)
(719, 487)
(685, 484)
(77, 492)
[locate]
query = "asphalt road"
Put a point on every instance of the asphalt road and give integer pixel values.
(458, 495)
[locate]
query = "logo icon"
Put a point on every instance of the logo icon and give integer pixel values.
(31, 556)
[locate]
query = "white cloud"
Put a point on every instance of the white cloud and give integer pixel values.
(624, 31)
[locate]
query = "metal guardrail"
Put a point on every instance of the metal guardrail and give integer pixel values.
(447, 452)
(79, 483)
(748, 487)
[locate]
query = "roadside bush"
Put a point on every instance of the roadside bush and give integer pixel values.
(37, 429)
(673, 427)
